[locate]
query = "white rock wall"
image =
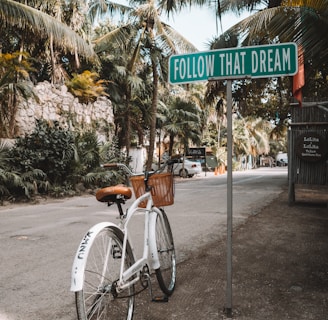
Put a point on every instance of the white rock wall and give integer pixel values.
(56, 103)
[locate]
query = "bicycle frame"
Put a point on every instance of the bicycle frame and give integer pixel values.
(149, 256)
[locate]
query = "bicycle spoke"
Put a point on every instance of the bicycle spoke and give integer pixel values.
(166, 274)
(99, 300)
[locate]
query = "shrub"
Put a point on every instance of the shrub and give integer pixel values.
(86, 87)
(107, 153)
(86, 156)
(48, 148)
(14, 184)
(54, 161)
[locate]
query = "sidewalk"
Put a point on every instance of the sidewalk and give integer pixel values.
(280, 270)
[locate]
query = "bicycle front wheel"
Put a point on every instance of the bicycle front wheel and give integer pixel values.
(166, 273)
(99, 299)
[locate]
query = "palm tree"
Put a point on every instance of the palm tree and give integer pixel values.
(303, 22)
(27, 19)
(128, 88)
(154, 42)
(259, 130)
(251, 137)
(181, 119)
(217, 117)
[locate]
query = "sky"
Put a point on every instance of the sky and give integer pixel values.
(198, 25)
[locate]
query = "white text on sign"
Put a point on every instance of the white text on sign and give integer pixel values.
(258, 61)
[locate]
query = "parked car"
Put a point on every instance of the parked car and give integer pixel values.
(187, 169)
(282, 159)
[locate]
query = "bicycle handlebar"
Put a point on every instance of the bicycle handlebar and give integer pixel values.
(118, 166)
(130, 173)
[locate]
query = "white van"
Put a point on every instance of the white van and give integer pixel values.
(282, 159)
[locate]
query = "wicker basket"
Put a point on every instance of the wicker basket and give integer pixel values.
(162, 189)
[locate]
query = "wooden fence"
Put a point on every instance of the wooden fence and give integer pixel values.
(307, 153)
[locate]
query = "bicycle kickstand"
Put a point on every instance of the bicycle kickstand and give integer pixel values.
(153, 298)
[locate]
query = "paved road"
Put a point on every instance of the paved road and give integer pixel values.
(37, 242)
(200, 208)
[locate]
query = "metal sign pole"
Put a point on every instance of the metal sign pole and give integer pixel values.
(280, 61)
(228, 306)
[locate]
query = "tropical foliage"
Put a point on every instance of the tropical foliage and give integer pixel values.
(48, 148)
(14, 76)
(272, 21)
(39, 25)
(304, 22)
(180, 119)
(55, 161)
(86, 87)
(150, 42)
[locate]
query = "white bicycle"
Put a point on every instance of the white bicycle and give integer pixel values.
(106, 276)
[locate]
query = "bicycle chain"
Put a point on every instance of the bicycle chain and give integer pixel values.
(144, 280)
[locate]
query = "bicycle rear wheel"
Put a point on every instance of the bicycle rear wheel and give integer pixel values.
(99, 300)
(166, 273)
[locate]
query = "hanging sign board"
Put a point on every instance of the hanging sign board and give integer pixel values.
(196, 152)
(310, 146)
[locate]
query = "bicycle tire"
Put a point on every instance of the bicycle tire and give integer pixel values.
(166, 273)
(98, 299)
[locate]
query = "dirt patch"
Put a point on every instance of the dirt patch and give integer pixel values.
(280, 270)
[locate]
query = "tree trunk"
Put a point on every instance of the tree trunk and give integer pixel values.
(171, 145)
(128, 129)
(52, 56)
(152, 133)
(128, 115)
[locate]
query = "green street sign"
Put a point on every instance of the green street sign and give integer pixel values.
(254, 62)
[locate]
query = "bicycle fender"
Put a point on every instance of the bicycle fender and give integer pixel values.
(153, 255)
(77, 275)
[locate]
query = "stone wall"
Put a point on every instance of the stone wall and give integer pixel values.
(56, 103)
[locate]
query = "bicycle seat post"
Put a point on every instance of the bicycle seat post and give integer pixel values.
(120, 209)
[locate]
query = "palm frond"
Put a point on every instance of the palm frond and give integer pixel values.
(179, 43)
(120, 35)
(238, 6)
(306, 25)
(100, 9)
(24, 17)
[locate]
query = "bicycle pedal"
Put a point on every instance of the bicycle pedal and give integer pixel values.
(160, 299)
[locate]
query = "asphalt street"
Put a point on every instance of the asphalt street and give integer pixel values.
(38, 242)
